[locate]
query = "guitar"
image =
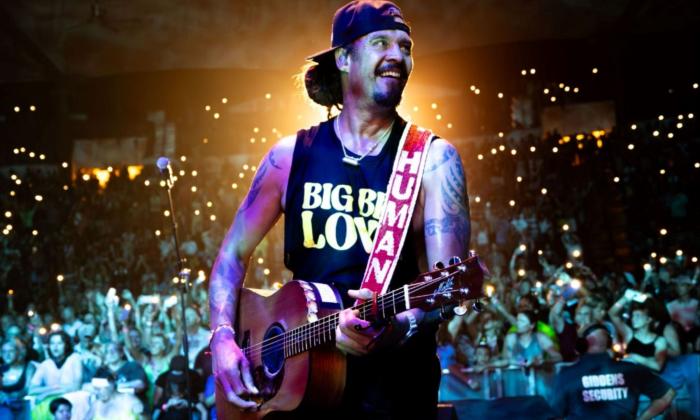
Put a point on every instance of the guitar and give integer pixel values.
(289, 336)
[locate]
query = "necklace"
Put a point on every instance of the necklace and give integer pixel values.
(355, 161)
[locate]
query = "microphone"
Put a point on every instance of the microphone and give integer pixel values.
(165, 169)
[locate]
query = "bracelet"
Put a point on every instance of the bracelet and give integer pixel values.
(220, 327)
(412, 327)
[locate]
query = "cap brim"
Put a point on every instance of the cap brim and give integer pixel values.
(321, 55)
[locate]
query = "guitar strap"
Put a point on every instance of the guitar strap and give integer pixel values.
(402, 194)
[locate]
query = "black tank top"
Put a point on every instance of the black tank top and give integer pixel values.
(333, 209)
(637, 347)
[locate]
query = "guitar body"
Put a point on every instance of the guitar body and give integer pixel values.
(314, 378)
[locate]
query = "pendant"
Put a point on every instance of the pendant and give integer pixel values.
(351, 161)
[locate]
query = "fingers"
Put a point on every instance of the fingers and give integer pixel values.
(231, 396)
(353, 335)
(248, 378)
(364, 294)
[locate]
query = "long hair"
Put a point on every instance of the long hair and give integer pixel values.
(322, 83)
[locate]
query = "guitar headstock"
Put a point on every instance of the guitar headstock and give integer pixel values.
(455, 283)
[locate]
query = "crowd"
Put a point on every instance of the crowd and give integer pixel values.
(594, 229)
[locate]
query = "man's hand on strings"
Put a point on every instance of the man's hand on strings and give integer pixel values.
(354, 335)
(232, 370)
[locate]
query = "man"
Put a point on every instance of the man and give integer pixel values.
(330, 183)
(599, 387)
(130, 376)
(110, 404)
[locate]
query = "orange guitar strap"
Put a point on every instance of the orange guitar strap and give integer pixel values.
(402, 194)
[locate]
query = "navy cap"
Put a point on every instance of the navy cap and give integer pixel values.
(359, 18)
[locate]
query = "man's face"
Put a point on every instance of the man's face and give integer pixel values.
(640, 319)
(523, 323)
(113, 354)
(104, 393)
(379, 66)
(62, 413)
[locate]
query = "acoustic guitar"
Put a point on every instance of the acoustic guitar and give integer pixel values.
(289, 336)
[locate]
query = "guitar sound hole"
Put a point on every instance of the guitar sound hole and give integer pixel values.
(273, 353)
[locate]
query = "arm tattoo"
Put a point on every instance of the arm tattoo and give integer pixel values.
(447, 155)
(222, 290)
(454, 205)
(272, 160)
(256, 186)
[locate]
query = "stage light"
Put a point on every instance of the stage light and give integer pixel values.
(633, 126)
(207, 108)
(695, 85)
(511, 203)
(630, 146)
(212, 217)
(561, 86)
(500, 134)
(216, 115)
(268, 96)
(521, 273)
(694, 259)
(519, 179)
(568, 265)
(500, 95)
(595, 70)
(691, 116)
(543, 191)
(433, 105)
(679, 253)
(234, 186)
(32, 154)
(224, 100)
(501, 148)
(532, 149)
(494, 151)
(655, 133)
(576, 284)
(670, 135)
(565, 227)
(522, 247)
(196, 212)
(576, 253)
(616, 179)
(523, 72)
(477, 199)
(575, 90)
(533, 71)
(415, 109)
(477, 91)
(157, 232)
(35, 232)
(546, 91)
(194, 188)
(8, 214)
(480, 156)
(17, 109)
(555, 149)
(566, 88)
(663, 232)
(653, 255)
(662, 171)
(679, 125)
(438, 117)
(166, 213)
(449, 125)
(64, 164)
(38, 198)
(209, 204)
(553, 99)
(663, 260)
(513, 152)
(661, 117)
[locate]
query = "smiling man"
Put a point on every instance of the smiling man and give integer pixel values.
(330, 182)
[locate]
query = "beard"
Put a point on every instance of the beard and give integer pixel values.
(390, 97)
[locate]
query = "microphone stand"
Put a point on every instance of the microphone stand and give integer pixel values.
(184, 280)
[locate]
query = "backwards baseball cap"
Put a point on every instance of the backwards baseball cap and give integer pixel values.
(359, 18)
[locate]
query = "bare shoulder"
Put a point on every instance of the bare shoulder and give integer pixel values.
(441, 154)
(281, 154)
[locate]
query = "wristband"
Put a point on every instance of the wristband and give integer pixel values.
(412, 327)
(219, 328)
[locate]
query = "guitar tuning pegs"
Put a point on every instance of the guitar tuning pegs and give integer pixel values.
(455, 260)
(439, 265)
(477, 306)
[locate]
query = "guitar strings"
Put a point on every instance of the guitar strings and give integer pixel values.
(296, 336)
(299, 338)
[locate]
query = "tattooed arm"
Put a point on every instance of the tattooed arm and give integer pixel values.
(260, 209)
(445, 205)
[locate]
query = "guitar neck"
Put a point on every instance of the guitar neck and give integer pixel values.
(313, 334)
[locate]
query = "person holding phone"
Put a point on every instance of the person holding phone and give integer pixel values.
(642, 344)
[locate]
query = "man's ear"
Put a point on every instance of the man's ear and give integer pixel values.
(342, 59)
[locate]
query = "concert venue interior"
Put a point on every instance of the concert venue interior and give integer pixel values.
(576, 122)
